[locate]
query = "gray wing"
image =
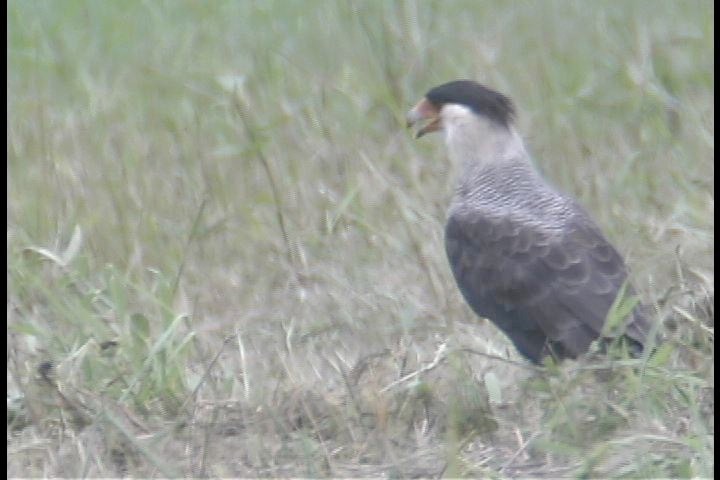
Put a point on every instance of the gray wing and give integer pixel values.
(549, 292)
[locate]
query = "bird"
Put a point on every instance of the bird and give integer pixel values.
(524, 255)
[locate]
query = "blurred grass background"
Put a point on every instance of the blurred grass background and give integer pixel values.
(223, 245)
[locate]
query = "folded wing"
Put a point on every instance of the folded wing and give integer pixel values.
(549, 290)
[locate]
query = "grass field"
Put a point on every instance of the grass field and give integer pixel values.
(225, 252)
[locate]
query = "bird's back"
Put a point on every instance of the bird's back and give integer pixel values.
(533, 262)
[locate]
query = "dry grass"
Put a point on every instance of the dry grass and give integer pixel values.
(225, 254)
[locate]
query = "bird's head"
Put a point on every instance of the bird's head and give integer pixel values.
(454, 102)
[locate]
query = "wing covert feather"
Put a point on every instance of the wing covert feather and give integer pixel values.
(555, 286)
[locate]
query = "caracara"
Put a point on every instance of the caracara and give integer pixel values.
(524, 256)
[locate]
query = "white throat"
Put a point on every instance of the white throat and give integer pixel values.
(474, 141)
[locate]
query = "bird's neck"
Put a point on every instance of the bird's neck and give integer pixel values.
(495, 169)
(485, 151)
(474, 143)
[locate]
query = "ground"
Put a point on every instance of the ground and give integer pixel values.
(225, 252)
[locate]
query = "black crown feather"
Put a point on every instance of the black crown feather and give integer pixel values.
(479, 98)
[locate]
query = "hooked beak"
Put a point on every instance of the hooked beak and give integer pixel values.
(424, 111)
